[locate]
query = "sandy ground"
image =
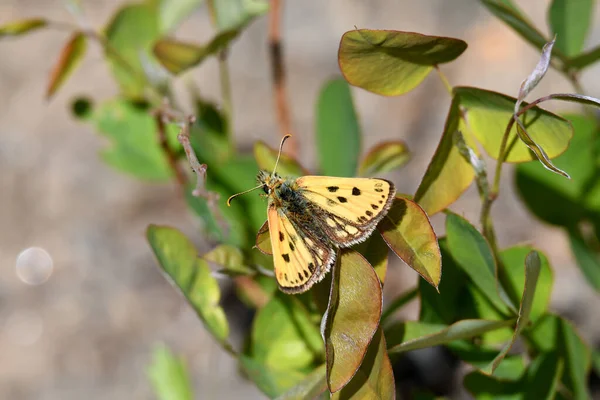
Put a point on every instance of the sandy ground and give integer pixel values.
(88, 331)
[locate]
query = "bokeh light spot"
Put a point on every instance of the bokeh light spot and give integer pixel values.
(34, 266)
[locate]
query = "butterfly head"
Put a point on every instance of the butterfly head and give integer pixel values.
(268, 182)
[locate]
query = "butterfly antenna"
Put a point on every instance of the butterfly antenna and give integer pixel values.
(239, 194)
(286, 137)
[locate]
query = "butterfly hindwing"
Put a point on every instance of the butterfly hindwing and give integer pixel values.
(300, 259)
(351, 207)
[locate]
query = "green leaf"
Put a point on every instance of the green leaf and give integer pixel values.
(69, 59)
(538, 150)
(513, 260)
(390, 62)
(473, 254)
(585, 59)
(484, 387)
(552, 333)
(337, 128)
(177, 56)
(129, 38)
(375, 378)
(352, 317)
(570, 21)
(272, 381)
(399, 302)
(508, 12)
(553, 198)
(20, 27)
(135, 148)
(442, 307)
(543, 377)
(177, 257)
(266, 156)
(375, 251)
(169, 376)
(448, 174)
(413, 335)
(235, 14)
(311, 387)
(283, 337)
(210, 221)
(587, 260)
(532, 272)
(407, 231)
(385, 157)
(173, 12)
(230, 259)
(488, 114)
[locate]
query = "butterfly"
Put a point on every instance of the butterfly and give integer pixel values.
(311, 218)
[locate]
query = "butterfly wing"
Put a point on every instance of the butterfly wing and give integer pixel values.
(300, 259)
(350, 208)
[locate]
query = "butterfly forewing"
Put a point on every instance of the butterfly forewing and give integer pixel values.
(351, 207)
(300, 259)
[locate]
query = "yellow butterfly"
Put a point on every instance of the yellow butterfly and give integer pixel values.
(310, 218)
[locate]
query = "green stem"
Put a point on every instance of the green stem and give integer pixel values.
(444, 80)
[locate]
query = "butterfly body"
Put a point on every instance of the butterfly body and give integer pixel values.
(310, 218)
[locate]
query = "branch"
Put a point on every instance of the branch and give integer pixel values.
(278, 75)
(160, 118)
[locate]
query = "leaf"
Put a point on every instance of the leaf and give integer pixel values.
(69, 59)
(311, 387)
(20, 27)
(443, 307)
(352, 317)
(407, 231)
(513, 17)
(392, 63)
(385, 157)
(272, 381)
(283, 337)
(169, 376)
(584, 59)
(551, 197)
(375, 251)
(132, 132)
(587, 260)
(130, 35)
(173, 12)
(337, 127)
(177, 257)
(474, 256)
(552, 333)
(576, 98)
(536, 75)
(537, 149)
(230, 258)
(235, 14)
(532, 271)
(413, 335)
(263, 240)
(488, 113)
(177, 56)
(543, 377)
(266, 156)
(484, 387)
(375, 378)
(570, 21)
(448, 174)
(513, 260)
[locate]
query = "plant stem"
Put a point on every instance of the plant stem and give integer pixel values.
(278, 75)
(161, 129)
(444, 79)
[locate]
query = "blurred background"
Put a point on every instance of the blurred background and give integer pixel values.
(84, 320)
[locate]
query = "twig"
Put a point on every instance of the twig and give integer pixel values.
(445, 80)
(278, 75)
(160, 118)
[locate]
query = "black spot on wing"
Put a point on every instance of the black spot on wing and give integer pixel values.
(292, 248)
(378, 190)
(332, 189)
(311, 267)
(342, 199)
(374, 206)
(355, 191)
(286, 257)
(369, 213)
(300, 277)
(306, 275)
(281, 237)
